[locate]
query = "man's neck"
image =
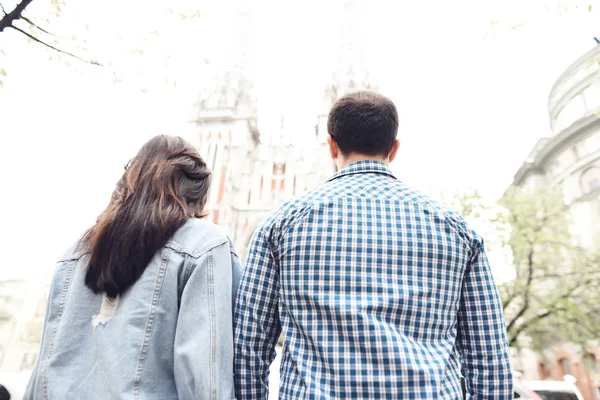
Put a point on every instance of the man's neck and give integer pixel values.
(352, 158)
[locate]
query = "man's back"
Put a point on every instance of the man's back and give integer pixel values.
(379, 291)
(369, 275)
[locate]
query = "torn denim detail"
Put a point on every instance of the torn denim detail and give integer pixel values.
(107, 310)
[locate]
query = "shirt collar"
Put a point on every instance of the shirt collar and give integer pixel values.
(364, 167)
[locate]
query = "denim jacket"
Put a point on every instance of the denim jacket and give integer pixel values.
(169, 337)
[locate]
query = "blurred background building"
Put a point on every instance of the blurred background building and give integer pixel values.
(570, 160)
(255, 172)
(570, 157)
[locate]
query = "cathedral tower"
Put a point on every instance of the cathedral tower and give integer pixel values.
(228, 137)
(350, 74)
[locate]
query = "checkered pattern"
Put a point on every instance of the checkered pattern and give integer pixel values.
(379, 291)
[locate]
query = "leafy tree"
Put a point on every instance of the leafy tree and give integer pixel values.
(554, 294)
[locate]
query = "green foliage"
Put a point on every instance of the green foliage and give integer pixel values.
(518, 20)
(468, 203)
(554, 295)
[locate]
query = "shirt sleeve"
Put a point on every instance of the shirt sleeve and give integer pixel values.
(256, 320)
(481, 337)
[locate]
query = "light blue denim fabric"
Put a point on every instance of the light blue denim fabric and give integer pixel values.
(170, 336)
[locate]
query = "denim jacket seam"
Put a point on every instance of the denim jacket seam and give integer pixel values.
(188, 268)
(233, 253)
(213, 333)
(73, 257)
(196, 253)
(150, 322)
(61, 304)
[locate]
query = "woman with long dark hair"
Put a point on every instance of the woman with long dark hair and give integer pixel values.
(141, 306)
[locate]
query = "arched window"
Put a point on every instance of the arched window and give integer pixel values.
(544, 370)
(565, 366)
(591, 362)
(590, 179)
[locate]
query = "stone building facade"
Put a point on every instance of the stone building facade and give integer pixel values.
(569, 159)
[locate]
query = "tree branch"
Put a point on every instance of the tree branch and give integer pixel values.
(506, 302)
(526, 298)
(515, 335)
(34, 25)
(2, 7)
(550, 310)
(8, 19)
(54, 48)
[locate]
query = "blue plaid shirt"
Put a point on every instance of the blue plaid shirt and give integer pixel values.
(379, 291)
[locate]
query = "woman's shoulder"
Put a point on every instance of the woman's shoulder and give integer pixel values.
(75, 252)
(198, 236)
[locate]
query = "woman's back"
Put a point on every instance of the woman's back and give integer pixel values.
(169, 336)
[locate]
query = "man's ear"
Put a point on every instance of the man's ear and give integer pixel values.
(334, 150)
(394, 151)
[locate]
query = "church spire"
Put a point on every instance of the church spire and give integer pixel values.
(350, 71)
(233, 93)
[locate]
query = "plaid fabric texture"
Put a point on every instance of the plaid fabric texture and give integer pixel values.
(380, 293)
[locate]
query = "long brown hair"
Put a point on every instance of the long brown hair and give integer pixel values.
(163, 186)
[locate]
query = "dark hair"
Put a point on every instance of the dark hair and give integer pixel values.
(4, 395)
(363, 123)
(163, 186)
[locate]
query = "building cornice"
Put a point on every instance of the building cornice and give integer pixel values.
(553, 145)
(567, 137)
(523, 172)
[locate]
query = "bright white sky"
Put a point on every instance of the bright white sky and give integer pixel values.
(471, 108)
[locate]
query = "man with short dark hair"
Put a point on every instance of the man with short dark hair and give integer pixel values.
(379, 291)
